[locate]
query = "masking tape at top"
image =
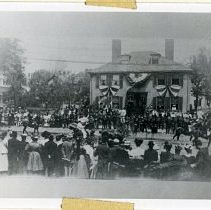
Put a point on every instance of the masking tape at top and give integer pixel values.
(85, 204)
(131, 4)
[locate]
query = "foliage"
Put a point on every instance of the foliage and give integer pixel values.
(12, 63)
(54, 88)
(201, 76)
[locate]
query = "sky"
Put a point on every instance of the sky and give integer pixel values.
(84, 39)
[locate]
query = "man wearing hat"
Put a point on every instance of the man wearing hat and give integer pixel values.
(23, 155)
(150, 155)
(13, 153)
(50, 149)
(67, 154)
(102, 151)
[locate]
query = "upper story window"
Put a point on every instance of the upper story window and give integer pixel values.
(155, 58)
(161, 80)
(125, 59)
(116, 80)
(175, 80)
(103, 79)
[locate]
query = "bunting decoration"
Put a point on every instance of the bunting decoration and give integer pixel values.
(172, 89)
(133, 78)
(106, 90)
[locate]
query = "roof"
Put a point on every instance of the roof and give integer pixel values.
(140, 62)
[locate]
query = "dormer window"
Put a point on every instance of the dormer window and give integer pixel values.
(155, 58)
(125, 59)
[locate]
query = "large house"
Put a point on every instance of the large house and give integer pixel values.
(140, 80)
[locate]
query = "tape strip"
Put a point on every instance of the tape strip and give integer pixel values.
(130, 4)
(85, 204)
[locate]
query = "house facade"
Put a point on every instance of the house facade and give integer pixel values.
(142, 80)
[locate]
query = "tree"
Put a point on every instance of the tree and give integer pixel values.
(12, 63)
(54, 88)
(201, 76)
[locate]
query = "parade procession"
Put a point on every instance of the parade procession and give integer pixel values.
(141, 115)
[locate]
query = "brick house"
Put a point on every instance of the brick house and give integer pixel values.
(140, 80)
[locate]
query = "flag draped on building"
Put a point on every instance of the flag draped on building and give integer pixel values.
(109, 90)
(172, 89)
(133, 79)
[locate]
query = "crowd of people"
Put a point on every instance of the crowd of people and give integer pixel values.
(104, 143)
(104, 155)
(103, 118)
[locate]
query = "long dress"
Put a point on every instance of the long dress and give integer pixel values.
(80, 169)
(3, 158)
(35, 163)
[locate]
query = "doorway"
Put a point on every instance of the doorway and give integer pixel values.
(136, 102)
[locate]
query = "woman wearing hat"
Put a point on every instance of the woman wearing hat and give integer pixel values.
(35, 164)
(202, 164)
(167, 155)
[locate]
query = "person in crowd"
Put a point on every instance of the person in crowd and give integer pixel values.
(167, 155)
(102, 151)
(178, 132)
(202, 164)
(138, 151)
(67, 155)
(50, 150)
(189, 156)
(59, 162)
(177, 156)
(80, 169)
(13, 153)
(118, 158)
(35, 164)
(150, 155)
(3, 155)
(23, 155)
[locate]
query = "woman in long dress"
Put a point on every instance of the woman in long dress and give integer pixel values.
(3, 156)
(35, 164)
(80, 168)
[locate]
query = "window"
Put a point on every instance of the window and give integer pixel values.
(117, 102)
(130, 97)
(175, 80)
(167, 103)
(154, 60)
(116, 80)
(161, 80)
(160, 103)
(103, 80)
(174, 103)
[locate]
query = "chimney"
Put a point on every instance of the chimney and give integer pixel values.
(116, 50)
(169, 49)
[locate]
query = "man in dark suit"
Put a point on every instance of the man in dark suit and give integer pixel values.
(50, 149)
(150, 155)
(13, 153)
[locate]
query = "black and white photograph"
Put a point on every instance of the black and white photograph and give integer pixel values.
(104, 97)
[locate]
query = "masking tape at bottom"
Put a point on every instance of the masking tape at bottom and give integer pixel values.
(85, 204)
(131, 4)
